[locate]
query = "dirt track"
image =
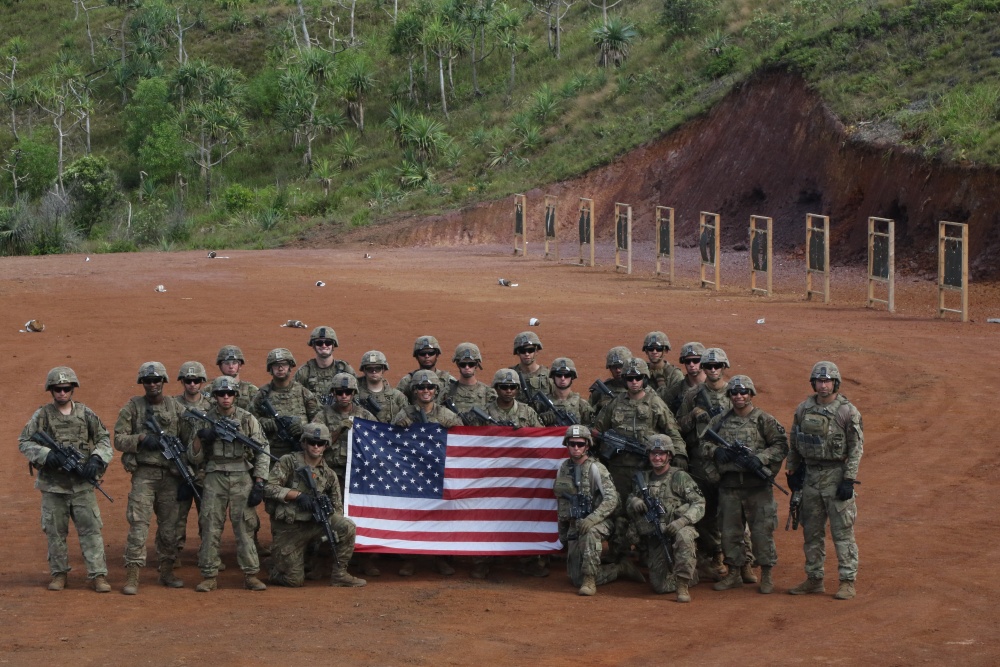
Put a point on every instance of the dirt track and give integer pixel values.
(926, 530)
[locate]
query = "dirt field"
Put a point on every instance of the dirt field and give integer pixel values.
(927, 590)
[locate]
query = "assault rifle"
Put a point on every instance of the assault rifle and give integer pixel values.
(601, 387)
(173, 450)
(794, 510)
(562, 417)
(580, 504)
(228, 430)
(369, 404)
(614, 443)
(654, 513)
(484, 416)
(283, 423)
(744, 457)
(70, 459)
(322, 508)
(706, 402)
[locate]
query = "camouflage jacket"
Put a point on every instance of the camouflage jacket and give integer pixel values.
(759, 431)
(595, 484)
(81, 429)
(285, 477)
(827, 433)
(318, 380)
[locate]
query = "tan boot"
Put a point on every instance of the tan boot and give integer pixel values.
(253, 583)
(443, 567)
(683, 594)
(167, 577)
(407, 568)
(766, 581)
(747, 574)
(732, 580)
(627, 569)
(719, 564)
(101, 585)
(58, 581)
(368, 566)
(131, 586)
(810, 585)
(341, 577)
(589, 586)
(207, 585)
(846, 590)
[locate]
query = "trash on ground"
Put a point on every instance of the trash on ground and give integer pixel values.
(33, 326)
(214, 255)
(160, 288)
(320, 283)
(367, 256)
(760, 321)
(505, 283)
(294, 324)
(993, 320)
(533, 322)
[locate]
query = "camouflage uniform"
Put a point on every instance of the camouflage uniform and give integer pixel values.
(230, 470)
(184, 505)
(584, 551)
(318, 380)
(66, 497)
(248, 390)
(681, 498)
(437, 415)
(294, 528)
(665, 378)
(340, 425)
(519, 414)
(293, 401)
(390, 400)
(466, 396)
(537, 380)
(574, 406)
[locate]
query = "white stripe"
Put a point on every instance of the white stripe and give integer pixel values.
(498, 483)
(496, 441)
(403, 527)
(394, 502)
(477, 463)
(457, 547)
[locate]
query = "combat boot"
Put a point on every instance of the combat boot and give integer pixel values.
(810, 585)
(101, 584)
(732, 580)
(683, 594)
(341, 577)
(628, 570)
(131, 586)
(443, 567)
(253, 583)
(766, 581)
(719, 563)
(846, 590)
(207, 585)
(747, 574)
(707, 570)
(58, 581)
(167, 577)
(589, 586)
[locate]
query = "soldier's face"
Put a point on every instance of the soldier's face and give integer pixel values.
(577, 450)
(425, 394)
(562, 380)
(713, 371)
(659, 461)
(692, 366)
(230, 368)
(342, 398)
(373, 373)
(192, 386)
(467, 369)
(740, 400)
(153, 386)
(427, 358)
(633, 384)
(655, 354)
(506, 393)
(62, 394)
(527, 354)
(225, 399)
(280, 370)
(323, 348)
(616, 372)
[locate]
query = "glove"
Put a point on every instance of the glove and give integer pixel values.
(268, 425)
(845, 490)
(185, 492)
(723, 456)
(796, 479)
(700, 415)
(207, 436)
(94, 468)
(675, 526)
(638, 505)
(256, 495)
(54, 459)
(295, 428)
(150, 441)
(305, 502)
(548, 418)
(584, 525)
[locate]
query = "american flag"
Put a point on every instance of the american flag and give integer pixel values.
(468, 490)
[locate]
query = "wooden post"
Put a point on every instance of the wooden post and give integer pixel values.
(520, 226)
(953, 266)
(665, 241)
(817, 254)
(882, 260)
(586, 228)
(761, 253)
(623, 237)
(550, 226)
(708, 242)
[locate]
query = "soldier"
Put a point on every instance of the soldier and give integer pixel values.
(505, 408)
(526, 346)
(67, 496)
(614, 362)
(827, 443)
(292, 518)
(192, 377)
(373, 388)
(317, 373)
(683, 507)
(293, 403)
(662, 374)
(427, 351)
(467, 390)
(338, 416)
(744, 497)
(583, 486)
(155, 480)
(690, 360)
(562, 373)
(234, 480)
(230, 361)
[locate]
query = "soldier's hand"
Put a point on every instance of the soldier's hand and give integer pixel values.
(547, 418)
(305, 502)
(256, 494)
(675, 526)
(845, 490)
(638, 505)
(94, 468)
(723, 456)
(295, 428)
(207, 435)
(700, 415)
(54, 459)
(794, 479)
(584, 525)
(150, 441)
(266, 423)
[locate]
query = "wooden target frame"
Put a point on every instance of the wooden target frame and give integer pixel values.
(520, 225)
(550, 226)
(665, 241)
(623, 237)
(953, 266)
(586, 229)
(708, 244)
(882, 260)
(818, 254)
(761, 253)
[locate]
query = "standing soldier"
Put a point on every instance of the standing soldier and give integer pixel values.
(827, 443)
(744, 497)
(527, 345)
(562, 373)
(427, 351)
(234, 480)
(155, 480)
(683, 507)
(467, 390)
(373, 388)
(294, 503)
(505, 408)
(614, 362)
(295, 405)
(662, 374)
(317, 373)
(230, 361)
(338, 416)
(68, 496)
(693, 376)
(192, 377)
(584, 488)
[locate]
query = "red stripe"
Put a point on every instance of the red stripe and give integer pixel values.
(423, 536)
(487, 452)
(481, 473)
(507, 432)
(453, 515)
(379, 549)
(462, 494)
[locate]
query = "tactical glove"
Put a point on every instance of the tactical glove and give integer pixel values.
(268, 425)
(675, 526)
(845, 490)
(256, 495)
(796, 479)
(700, 415)
(207, 436)
(584, 525)
(305, 502)
(150, 441)
(54, 459)
(723, 456)
(295, 428)
(638, 505)
(94, 467)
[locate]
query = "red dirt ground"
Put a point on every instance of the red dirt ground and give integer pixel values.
(927, 592)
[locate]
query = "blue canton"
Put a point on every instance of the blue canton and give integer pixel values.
(391, 460)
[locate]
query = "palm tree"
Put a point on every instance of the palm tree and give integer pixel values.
(359, 81)
(613, 41)
(508, 23)
(425, 136)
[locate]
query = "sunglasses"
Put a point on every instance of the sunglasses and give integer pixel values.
(527, 350)
(571, 443)
(323, 343)
(712, 367)
(425, 387)
(693, 360)
(316, 443)
(343, 392)
(467, 364)
(507, 387)
(428, 353)
(654, 348)
(633, 378)
(152, 380)
(62, 390)
(373, 369)
(562, 375)
(193, 380)
(225, 392)
(739, 392)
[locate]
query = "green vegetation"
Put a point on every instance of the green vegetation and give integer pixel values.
(129, 124)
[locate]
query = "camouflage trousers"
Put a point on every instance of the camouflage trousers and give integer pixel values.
(709, 534)
(622, 469)
(291, 540)
(661, 577)
(227, 491)
(81, 507)
(183, 511)
(154, 491)
(748, 506)
(584, 556)
(819, 504)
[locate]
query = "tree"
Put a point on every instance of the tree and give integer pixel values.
(150, 106)
(507, 27)
(93, 186)
(613, 40)
(554, 11)
(162, 155)
(357, 83)
(405, 42)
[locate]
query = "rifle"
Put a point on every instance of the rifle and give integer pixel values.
(228, 430)
(601, 387)
(794, 510)
(173, 450)
(484, 416)
(372, 405)
(421, 415)
(322, 508)
(614, 443)
(282, 423)
(580, 504)
(706, 402)
(654, 512)
(562, 417)
(744, 457)
(71, 459)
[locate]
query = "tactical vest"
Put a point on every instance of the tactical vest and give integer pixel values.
(565, 484)
(168, 416)
(71, 429)
(318, 380)
(291, 512)
(821, 430)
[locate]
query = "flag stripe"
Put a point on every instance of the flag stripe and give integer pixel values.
(449, 515)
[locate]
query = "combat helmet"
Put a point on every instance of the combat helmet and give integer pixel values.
(635, 367)
(344, 381)
(825, 370)
(152, 369)
(225, 383)
(61, 375)
(425, 376)
(374, 358)
(578, 431)
(229, 353)
(657, 338)
(323, 333)
(617, 356)
(692, 349)
(468, 352)
(279, 354)
(526, 338)
(658, 442)
(563, 365)
(715, 355)
(741, 382)
(506, 376)
(315, 431)
(192, 369)
(426, 343)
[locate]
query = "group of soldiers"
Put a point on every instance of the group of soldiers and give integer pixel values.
(669, 467)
